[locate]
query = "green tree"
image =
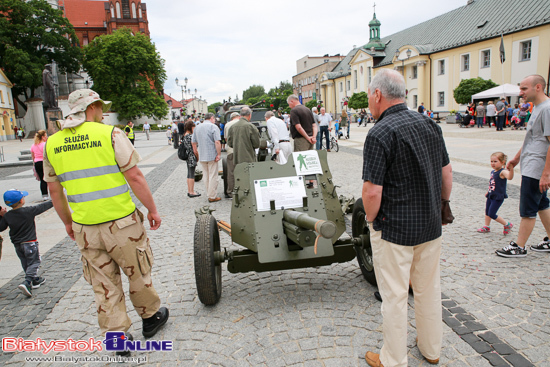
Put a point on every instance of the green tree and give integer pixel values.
(212, 107)
(253, 91)
(33, 34)
(311, 104)
(128, 70)
(359, 100)
(468, 87)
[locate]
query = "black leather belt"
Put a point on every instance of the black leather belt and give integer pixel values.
(284, 141)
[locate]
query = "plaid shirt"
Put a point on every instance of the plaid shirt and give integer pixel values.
(404, 153)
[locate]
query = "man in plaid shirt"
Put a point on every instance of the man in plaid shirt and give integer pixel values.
(406, 173)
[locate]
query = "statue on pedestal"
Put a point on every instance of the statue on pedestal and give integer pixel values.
(49, 88)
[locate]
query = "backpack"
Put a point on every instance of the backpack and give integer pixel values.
(182, 152)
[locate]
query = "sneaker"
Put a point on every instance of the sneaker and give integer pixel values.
(26, 288)
(484, 229)
(512, 250)
(152, 324)
(45, 198)
(543, 246)
(37, 282)
(507, 228)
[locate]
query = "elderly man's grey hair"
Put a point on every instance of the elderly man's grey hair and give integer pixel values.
(291, 97)
(269, 114)
(390, 83)
(246, 111)
(314, 109)
(208, 115)
(234, 114)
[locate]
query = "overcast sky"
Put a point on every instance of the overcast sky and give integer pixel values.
(223, 47)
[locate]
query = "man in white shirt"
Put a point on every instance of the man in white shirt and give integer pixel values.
(325, 127)
(280, 137)
(316, 119)
(147, 128)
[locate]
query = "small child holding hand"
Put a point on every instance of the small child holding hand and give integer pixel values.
(497, 192)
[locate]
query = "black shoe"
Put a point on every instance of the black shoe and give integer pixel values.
(125, 353)
(26, 288)
(193, 195)
(155, 322)
(228, 196)
(512, 250)
(37, 282)
(378, 296)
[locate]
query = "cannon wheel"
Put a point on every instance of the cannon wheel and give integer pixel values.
(208, 275)
(364, 252)
(224, 175)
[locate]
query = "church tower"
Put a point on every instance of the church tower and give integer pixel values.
(374, 35)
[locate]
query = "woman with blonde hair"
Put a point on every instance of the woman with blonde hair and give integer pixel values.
(344, 122)
(37, 153)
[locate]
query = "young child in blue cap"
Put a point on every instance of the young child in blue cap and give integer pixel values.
(23, 235)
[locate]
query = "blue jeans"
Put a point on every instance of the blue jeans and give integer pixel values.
(324, 131)
(318, 144)
(500, 122)
(29, 255)
(479, 121)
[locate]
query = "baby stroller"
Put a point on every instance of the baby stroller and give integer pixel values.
(515, 123)
(464, 121)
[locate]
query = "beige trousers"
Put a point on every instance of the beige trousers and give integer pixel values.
(393, 265)
(301, 144)
(210, 171)
(106, 249)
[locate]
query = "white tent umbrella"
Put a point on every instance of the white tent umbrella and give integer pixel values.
(504, 90)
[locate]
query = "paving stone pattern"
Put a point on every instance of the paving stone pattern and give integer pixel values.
(327, 316)
(61, 265)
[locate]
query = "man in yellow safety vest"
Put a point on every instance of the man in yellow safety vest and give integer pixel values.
(129, 130)
(95, 163)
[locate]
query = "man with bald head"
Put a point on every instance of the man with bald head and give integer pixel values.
(535, 170)
(406, 175)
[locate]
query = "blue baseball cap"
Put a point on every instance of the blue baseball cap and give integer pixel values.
(12, 197)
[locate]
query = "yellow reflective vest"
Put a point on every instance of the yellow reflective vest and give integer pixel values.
(130, 133)
(84, 161)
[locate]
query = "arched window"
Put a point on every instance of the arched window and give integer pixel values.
(112, 11)
(118, 10)
(140, 13)
(134, 10)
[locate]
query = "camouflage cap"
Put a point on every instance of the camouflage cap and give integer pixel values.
(79, 101)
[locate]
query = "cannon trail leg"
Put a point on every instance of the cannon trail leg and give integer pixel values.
(208, 274)
(359, 229)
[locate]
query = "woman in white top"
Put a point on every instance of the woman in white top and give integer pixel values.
(491, 113)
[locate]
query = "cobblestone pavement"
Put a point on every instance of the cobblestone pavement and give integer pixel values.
(496, 310)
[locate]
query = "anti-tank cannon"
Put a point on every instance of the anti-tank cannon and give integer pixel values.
(286, 217)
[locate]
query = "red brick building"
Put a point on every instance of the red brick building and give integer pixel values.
(92, 18)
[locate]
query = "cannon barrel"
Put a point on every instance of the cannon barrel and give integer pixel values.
(325, 228)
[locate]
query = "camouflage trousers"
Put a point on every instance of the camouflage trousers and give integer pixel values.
(106, 249)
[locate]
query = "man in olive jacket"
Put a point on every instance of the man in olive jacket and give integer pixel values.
(244, 138)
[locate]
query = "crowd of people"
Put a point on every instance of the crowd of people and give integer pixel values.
(404, 156)
(499, 114)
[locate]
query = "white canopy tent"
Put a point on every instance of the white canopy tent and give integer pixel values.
(504, 90)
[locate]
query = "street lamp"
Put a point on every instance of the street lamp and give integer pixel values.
(397, 52)
(183, 87)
